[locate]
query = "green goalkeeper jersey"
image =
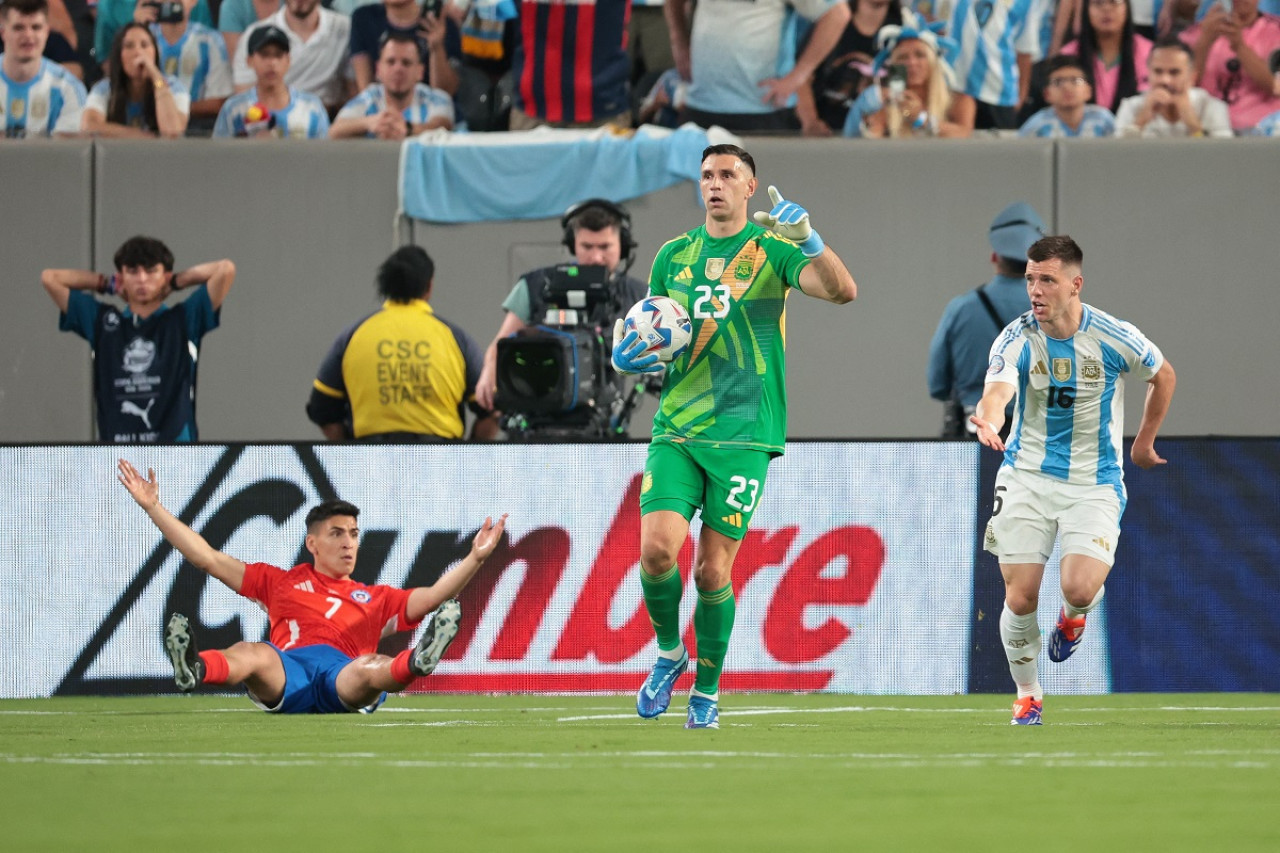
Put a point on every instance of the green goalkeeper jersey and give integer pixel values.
(728, 388)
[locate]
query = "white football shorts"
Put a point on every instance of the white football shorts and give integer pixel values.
(1031, 510)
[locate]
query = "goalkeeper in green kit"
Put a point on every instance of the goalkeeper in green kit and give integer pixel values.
(723, 412)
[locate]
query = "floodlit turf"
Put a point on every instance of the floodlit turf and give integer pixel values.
(534, 773)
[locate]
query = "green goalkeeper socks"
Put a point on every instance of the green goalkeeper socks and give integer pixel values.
(662, 599)
(712, 624)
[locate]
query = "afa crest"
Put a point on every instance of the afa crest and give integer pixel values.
(743, 269)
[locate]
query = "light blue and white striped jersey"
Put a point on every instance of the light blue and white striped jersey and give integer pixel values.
(1045, 124)
(304, 118)
(100, 97)
(1269, 126)
(991, 34)
(50, 102)
(199, 59)
(1068, 416)
(427, 103)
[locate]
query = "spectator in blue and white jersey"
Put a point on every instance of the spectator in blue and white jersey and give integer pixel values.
(135, 99)
(37, 97)
(998, 42)
(194, 53)
(1068, 90)
(272, 108)
(1063, 364)
(111, 15)
(397, 105)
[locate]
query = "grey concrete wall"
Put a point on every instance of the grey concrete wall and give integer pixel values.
(1176, 238)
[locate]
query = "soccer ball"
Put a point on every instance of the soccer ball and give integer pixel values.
(662, 323)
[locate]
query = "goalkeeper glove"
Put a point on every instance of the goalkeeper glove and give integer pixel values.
(629, 354)
(790, 220)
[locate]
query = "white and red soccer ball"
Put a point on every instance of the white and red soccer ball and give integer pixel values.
(662, 323)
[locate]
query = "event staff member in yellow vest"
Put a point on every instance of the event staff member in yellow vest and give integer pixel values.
(401, 374)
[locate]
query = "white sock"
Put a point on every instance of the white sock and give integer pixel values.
(714, 697)
(1020, 636)
(1074, 612)
(672, 654)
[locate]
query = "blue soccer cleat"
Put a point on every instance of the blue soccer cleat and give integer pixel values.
(654, 696)
(1066, 635)
(704, 713)
(1026, 712)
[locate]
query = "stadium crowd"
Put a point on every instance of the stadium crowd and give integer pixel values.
(861, 68)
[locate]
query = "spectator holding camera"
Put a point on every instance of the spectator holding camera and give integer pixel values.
(192, 52)
(114, 14)
(1231, 45)
(272, 108)
(596, 232)
(144, 356)
(1068, 91)
(39, 98)
(318, 58)
(402, 373)
(1172, 107)
(424, 22)
(136, 99)
(397, 105)
(917, 98)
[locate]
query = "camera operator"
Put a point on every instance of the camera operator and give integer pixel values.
(191, 51)
(597, 232)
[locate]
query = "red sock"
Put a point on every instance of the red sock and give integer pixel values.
(216, 668)
(400, 667)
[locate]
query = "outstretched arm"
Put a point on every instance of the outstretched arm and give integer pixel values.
(219, 275)
(1159, 394)
(988, 417)
(424, 599)
(192, 545)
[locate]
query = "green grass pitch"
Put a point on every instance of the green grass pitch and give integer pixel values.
(1196, 772)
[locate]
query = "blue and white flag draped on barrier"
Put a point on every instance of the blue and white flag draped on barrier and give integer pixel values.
(474, 177)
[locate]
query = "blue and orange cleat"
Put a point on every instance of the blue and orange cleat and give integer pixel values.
(654, 695)
(704, 713)
(1066, 635)
(1026, 711)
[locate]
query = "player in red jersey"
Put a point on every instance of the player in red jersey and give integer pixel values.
(325, 627)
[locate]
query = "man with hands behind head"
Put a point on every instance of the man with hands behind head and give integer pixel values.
(144, 356)
(722, 414)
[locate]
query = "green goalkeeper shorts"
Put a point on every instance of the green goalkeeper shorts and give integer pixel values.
(726, 484)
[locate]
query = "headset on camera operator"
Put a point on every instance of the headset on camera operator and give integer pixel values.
(597, 234)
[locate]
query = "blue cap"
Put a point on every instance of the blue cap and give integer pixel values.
(1014, 230)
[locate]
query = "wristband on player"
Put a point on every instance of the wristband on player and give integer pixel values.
(107, 284)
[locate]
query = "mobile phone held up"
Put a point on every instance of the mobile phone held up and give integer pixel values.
(432, 8)
(897, 82)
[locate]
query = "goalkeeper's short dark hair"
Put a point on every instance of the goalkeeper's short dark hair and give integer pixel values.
(734, 150)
